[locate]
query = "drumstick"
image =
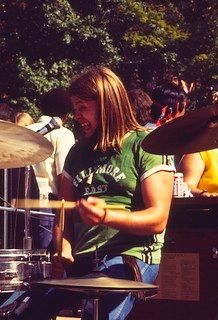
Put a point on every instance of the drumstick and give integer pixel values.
(57, 266)
(61, 228)
(57, 204)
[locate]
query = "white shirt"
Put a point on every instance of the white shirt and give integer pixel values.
(47, 171)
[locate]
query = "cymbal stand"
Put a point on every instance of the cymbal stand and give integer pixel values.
(61, 226)
(27, 240)
(96, 315)
(96, 299)
(96, 260)
(5, 242)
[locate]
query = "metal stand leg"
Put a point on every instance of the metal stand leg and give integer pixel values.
(27, 240)
(5, 212)
(96, 309)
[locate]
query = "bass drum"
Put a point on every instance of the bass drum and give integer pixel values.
(18, 267)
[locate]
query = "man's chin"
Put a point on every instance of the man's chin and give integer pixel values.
(90, 134)
(87, 134)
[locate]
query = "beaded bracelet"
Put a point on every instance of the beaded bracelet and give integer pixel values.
(104, 216)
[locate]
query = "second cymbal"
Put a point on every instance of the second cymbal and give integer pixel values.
(196, 131)
(97, 282)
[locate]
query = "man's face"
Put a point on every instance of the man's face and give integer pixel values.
(86, 113)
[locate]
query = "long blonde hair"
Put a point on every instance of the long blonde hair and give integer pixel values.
(102, 85)
(23, 119)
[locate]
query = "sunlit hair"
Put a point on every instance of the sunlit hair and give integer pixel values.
(23, 119)
(102, 85)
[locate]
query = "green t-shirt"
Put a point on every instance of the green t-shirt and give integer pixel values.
(115, 177)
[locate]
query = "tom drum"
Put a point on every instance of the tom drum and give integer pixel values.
(20, 266)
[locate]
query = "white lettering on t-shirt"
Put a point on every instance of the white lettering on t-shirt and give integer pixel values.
(95, 190)
(108, 169)
(119, 177)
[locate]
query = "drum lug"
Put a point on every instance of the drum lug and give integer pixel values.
(215, 255)
(46, 269)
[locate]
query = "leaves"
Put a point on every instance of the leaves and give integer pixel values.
(43, 42)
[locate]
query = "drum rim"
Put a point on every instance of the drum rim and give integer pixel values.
(24, 250)
(11, 253)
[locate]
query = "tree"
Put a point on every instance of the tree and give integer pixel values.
(148, 35)
(43, 42)
(199, 50)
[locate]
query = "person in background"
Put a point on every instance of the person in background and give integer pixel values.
(16, 189)
(23, 119)
(6, 112)
(110, 167)
(215, 97)
(141, 104)
(54, 103)
(200, 172)
(200, 94)
(169, 102)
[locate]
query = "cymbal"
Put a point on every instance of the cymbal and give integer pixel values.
(195, 131)
(57, 204)
(96, 282)
(20, 146)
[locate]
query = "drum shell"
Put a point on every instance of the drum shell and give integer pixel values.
(19, 267)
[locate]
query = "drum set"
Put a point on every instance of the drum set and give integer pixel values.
(21, 269)
(19, 147)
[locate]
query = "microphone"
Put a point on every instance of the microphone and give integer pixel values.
(54, 123)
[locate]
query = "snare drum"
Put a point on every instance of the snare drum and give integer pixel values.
(20, 265)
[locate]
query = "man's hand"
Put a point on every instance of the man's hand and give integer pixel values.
(58, 264)
(92, 210)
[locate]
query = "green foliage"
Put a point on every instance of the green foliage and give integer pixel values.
(154, 26)
(44, 43)
(51, 42)
(41, 77)
(203, 64)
